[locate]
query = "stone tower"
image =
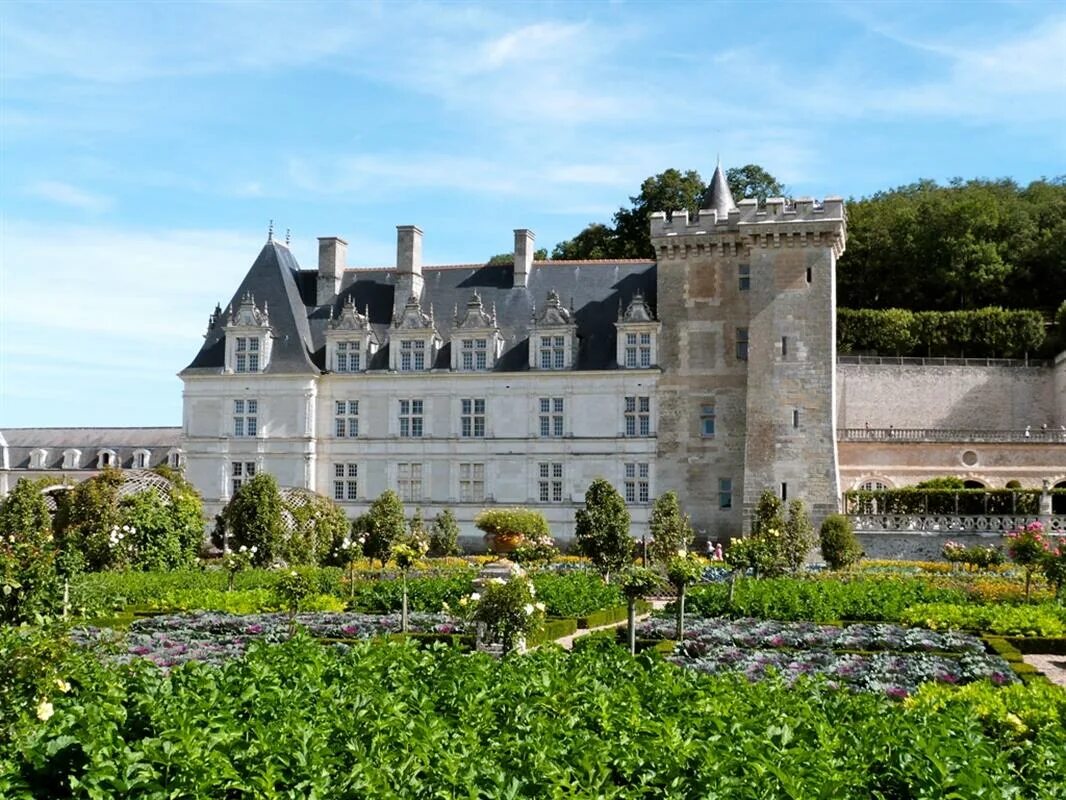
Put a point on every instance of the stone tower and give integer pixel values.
(748, 352)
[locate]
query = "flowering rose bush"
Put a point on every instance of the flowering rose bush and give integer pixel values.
(1054, 565)
(535, 552)
(508, 610)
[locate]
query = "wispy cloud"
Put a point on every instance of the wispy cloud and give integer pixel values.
(71, 196)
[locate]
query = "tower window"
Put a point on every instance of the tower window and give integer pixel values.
(742, 344)
(744, 277)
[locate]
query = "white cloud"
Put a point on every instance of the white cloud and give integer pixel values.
(67, 195)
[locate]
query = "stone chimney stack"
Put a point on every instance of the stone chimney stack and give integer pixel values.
(332, 255)
(408, 265)
(523, 255)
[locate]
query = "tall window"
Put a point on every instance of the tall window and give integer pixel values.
(707, 420)
(638, 416)
(346, 418)
(742, 344)
(638, 350)
(247, 354)
(409, 482)
(471, 483)
(551, 416)
(473, 417)
(637, 482)
(240, 472)
(725, 492)
(345, 481)
(348, 357)
(551, 482)
(744, 277)
(552, 352)
(140, 459)
(412, 355)
(245, 417)
(411, 418)
(474, 353)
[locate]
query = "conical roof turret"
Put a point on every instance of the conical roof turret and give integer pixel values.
(718, 196)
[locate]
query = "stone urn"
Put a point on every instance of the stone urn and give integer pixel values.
(503, 542)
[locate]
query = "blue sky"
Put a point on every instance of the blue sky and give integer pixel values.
(144, 146)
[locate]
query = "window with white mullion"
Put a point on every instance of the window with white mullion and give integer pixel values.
(550, 482)
(240, 472)
(637, 482)
(247, 354)
(412, 355)
(411, 418)
(551, 416)
(409, 482)
(346, 418)
(245, 417)
(472, 417)
(348, 357)
(471, 483)
(638, 415)
(345, 482)
(552, 352)
(474, 354)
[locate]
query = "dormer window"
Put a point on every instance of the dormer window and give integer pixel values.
(476, 339)
(553, 336)
(414, 339)
(71, 459)
(638, 333)
(142, 459)
(106, 458)
(38, 459)
(174, 459)
(350, 340)
(248, 338)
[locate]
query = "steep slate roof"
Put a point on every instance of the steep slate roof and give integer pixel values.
(718, 196)
(274, 281)
(594, 289)
(20, 442)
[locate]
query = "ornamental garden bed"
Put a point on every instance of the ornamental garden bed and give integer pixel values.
(879, 658)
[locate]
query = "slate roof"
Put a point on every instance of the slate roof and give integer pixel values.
(594, 289)
(18, 443)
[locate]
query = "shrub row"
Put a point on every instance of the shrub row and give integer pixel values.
(944, 501)
(1012, 655)
(983, 332)
(609, 616)
(1045, 619)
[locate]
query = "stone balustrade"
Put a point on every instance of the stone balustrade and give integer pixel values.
(954, 523)
(976, 435)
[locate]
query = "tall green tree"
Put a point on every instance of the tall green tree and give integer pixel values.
(602, 529)
(797, 536)
(751, 180)
(28, 585)
(252, 518)
(671, 530)
(386, 524)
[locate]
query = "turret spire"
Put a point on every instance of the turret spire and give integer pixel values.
(718, 196)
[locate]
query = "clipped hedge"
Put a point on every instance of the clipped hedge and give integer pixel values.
(609, 616)
(983, 332)
(944, 501)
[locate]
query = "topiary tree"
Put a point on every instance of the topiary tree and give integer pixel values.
(797, 536)
(28, 583)
(671, 530)
(681, 572)
(86, 515)
(840, 548)
(252, 518)
(509, 610)
(636, 582)
(444, 535)
(602, 529)
(1028, 548)
(385, 524)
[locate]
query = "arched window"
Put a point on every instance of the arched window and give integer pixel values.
(972, 484)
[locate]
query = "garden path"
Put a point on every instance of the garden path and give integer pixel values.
(567, 642)
(1054, 667)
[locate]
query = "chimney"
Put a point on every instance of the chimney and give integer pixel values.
(332, 255)
(408, 264)
(523, 255)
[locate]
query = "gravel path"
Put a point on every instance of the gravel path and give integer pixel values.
(567, 642)
(1054, 667)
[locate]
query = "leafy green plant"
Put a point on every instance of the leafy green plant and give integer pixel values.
(1027, 547)
(535, 553)
(512, 523)
(575, 594)
(671, 530)
(840, 548)
(1054, 566)
(252, 518)
(444, 535)
(682, 571)
(797, 536)
(385, 525)
(508, 610)
(602, 528)
(292, 589)
(1046, 619)
(636, 583)
(28, 584)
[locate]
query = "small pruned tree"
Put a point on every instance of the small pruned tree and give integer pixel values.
(797, 536)
(444, 535)
(839, 546)
(252, 518)
(602, 529)
(682, 571)
(385, 525)
(636, 583)
(671, 531)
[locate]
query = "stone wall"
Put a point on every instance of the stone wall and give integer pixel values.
(951, 397)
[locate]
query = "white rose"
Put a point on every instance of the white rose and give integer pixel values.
(254, 548)
(529, 609)
(62, 685)
(541, 607)
(475, 596)
(44, 711)
(244, 548)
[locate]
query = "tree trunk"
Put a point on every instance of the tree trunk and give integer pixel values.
(403, 608)
(732, 586)
(680, 613)
(632, 626)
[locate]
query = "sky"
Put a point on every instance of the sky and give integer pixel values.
(144, 147)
